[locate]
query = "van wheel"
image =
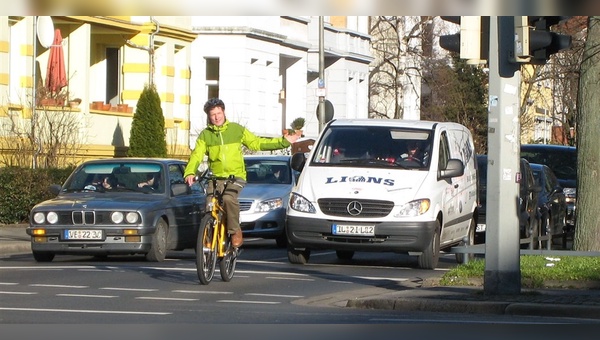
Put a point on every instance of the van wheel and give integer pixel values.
(470, 240)
(298, 256)
(346, 255)
(430, 256)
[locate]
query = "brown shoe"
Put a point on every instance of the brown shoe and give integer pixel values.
(237, 239)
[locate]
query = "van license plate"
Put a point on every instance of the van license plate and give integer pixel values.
(358, 230)
(83, 234)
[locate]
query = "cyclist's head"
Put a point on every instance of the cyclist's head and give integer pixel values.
(212, 103)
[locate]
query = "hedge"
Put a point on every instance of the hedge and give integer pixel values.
(22, 188)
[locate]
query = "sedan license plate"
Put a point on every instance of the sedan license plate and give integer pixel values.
(357, 230)
(82, 234)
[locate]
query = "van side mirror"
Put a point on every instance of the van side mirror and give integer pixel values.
(298, 161)
(454, 168)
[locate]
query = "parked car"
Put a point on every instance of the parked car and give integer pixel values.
(551, 202)
(118, 206)
(264, 199)
(562, 160)
(529, 216)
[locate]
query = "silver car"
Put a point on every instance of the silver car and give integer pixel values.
(264, 199)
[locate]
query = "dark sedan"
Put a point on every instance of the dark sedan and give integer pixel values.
(118, 207)
(264, 199)
(551, 202)
(529, 217)
(562, 160)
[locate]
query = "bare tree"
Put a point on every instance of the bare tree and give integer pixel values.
(587, 233)
(395, 77)
(41, 136)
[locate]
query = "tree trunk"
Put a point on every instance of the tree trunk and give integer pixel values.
(587, 231)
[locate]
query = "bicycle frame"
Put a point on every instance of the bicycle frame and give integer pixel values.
(219, 235)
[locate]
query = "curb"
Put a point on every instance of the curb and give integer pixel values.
(478, 307)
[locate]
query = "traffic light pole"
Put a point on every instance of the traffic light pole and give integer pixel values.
(502, 247)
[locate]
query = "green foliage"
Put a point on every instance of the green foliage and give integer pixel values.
(22, 188)
(148, 127)
(459, 93)
(535, 270)
(298, 123)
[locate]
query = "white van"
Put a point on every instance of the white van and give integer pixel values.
(360, 191)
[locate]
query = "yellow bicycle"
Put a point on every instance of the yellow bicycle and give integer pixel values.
(214, 242)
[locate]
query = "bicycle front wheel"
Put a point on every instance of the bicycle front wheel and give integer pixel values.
(228, 262)
(206, 252)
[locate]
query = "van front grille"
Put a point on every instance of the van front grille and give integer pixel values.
(344, 207)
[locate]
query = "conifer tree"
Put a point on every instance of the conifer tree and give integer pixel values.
(147, 137)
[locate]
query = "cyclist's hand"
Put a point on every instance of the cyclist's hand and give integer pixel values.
(189, 179)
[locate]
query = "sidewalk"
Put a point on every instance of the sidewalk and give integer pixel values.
(417, 295)
(14, 240)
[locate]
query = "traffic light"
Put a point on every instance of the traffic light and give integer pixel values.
(472, 42)
(534, 42)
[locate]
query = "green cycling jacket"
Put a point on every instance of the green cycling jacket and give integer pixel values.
(223, 146)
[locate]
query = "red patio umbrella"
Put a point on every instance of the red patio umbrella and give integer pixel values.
(56, 75)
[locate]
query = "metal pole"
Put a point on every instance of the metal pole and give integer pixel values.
(321, 72)
(502, 247)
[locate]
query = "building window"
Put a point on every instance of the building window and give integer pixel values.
(112, 75)
(212, 77)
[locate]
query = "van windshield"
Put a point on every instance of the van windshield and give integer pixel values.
(384, 147)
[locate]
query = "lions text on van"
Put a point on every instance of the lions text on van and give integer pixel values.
(385, 186)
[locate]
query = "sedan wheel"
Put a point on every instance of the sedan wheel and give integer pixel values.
(158, 250)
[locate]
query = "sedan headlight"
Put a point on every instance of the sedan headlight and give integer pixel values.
(117, 217)
(414, 208)
(49, 217)
(301, 204)
(269, 205)
(570, 194)
(39, 218)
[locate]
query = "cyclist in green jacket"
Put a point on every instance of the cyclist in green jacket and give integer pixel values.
(222, 142)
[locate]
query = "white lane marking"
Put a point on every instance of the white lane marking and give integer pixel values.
(275, 295)
(87, 295)
(53, 310)
(199, 292)
(56, 286)
(130, 289)
(250, 302)
(18, 293)
(287, 278)
(8, 283)
(163, 298)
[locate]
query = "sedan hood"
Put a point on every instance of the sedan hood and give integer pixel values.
(97, 201)
(264, 191)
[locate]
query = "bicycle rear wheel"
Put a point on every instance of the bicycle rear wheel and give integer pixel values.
(206, 257)
(228, 262)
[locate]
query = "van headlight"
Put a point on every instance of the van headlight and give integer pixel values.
(414, 208)
(301, 204)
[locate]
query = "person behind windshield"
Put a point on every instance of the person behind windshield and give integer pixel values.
(149, 182)
(222, 142)
(413, 152)
(108, 182)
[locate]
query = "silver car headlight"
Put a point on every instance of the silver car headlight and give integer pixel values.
(269, 205)
(301, 204)
(414, 208)
(52, 217)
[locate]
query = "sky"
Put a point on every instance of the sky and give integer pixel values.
(301, 7)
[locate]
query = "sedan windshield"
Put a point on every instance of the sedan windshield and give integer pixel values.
(117, 177)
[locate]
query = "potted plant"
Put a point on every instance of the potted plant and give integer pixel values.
(296, 127)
